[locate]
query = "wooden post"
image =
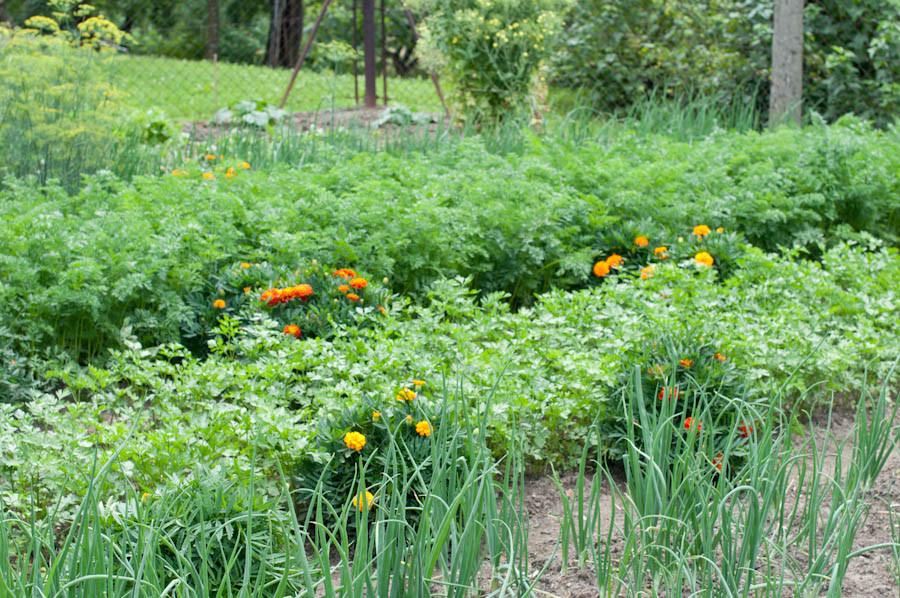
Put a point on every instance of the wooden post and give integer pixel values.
(368, 10)
(355, 55)
(384, 98)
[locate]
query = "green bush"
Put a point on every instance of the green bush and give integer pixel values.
(492, 51)
(722, 51)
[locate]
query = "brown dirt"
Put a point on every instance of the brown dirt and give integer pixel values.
(356, 118)
(868, 575)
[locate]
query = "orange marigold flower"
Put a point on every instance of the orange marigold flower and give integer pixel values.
(229, 173)
(210, 156)
(344, 273)
(208, 175)
(352, 296)
(704, 258)
(647, 271)
(293, 329)
(219, 304)
(671, 393)
(423, 428)
(382, 310)
(406, 395)
(601, 269)
(363, 500)
(717, 462)
(359, 283)
(245, 265)
(641, 241)
(247, 290)
(689, 423)
(701, 230)
(343, 288)
(660, 249)
(720, 357)
(615, 261)
(245, 165)
(418, 383)
(745, 430)
(354, 440)
(686, 362)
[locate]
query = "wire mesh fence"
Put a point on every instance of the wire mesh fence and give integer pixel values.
(191, 58)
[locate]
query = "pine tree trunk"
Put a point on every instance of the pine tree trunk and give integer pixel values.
(212, 29)
(787, 63)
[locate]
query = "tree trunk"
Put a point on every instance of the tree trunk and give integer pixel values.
(285, 33)
(212, 29)
(368, 13)
(4, 14)
(787, 63)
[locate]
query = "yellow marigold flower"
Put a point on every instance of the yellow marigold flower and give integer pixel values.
(145, 497)
(641, 241)
(406, 395)
(208, 175)
(363, 501)
(245, 165)
(176, 172)
(647, 271)
(615, 261)
(376, 414)
(219, 304)
(601, 269)
(720, 229)
(210, 156)
(418, 383)
(704, 258)
(423, 428)
(701, 230)
(382, 310)
(354, 440)
(409, 419)
(247, 290)
(245, 265)
(686, 362)
(359, 283)
(229, 173)
(660, 249)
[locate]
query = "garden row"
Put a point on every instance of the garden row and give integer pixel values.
(776, 326)
(153, 255)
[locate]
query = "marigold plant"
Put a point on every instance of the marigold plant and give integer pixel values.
(701, 230)
(704, 258)
(363, 501)
(354, 440)
(423, 428)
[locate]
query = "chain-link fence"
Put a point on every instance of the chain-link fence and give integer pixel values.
(190, 58)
